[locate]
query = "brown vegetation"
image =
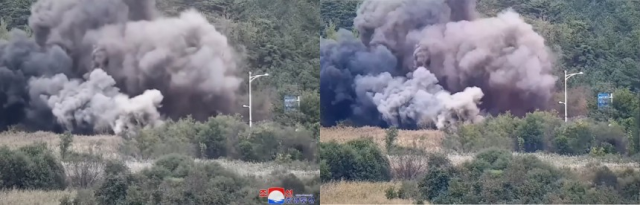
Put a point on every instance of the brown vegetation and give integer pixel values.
(427, 140)
(358, 193)
(104, 144)
(33, 197)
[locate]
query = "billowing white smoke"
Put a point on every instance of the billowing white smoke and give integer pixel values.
(97, 102)
(186, 53)
(418, 99)
(503, 55)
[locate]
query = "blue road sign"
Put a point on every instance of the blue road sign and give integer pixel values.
(604, 100)
(290, 103)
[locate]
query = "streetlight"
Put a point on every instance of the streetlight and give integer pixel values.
(251, 78)
(566, 77)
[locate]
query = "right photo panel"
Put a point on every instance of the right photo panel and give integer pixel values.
(480, 102)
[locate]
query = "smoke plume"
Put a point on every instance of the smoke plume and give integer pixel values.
(429, 63)
(87, 57)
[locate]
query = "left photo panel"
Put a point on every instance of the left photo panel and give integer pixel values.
(159, 102)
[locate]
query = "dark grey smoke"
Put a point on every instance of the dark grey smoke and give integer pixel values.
(129, 47)
(340, 62)
(443, 65)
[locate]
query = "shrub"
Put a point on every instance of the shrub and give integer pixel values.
(494, 176)
(83, 197)
(84, 170)
(212, 139)
(390, 138)
(390, 193)
(436, 181)
(605, 177)
(325, 172)
(31, 167)
(113, 190)
(408, 167)
(409, 190)
(542, 131)
(356, 160)
(177, 165)
(531, 133)
(66, 140)
(224, 136)
(177, 179)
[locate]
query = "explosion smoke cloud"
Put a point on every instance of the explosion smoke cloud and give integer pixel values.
(175, 66)
(492, 65)
(95, 102)
(418, 99)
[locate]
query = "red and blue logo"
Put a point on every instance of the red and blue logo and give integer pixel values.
(279, 195)
(276, 195)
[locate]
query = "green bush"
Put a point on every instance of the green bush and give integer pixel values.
(495, 176)
(390, 193)
(224, 136)
(358, 160)
(439, 174)
(542, 131)
(66, 140)
(409, 190)
(177, 179)
(31, 167)
(390, 138)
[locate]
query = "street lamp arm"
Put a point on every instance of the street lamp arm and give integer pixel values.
(571, 75)
(257, 76)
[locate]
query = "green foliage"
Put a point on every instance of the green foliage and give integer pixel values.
(31, 167)
(495, 176)
(176, 179)
(543, 131)
(66, 140)
(226, 136)
(113, 190)
(390, 193)
(390, 138)
(409, 190)
(438, 176)
(358, 160)
(340, 13)
(325, 171)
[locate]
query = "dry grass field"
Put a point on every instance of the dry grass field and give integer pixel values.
(428, 140)
(33, 197)
(358, 193)
(103, 144)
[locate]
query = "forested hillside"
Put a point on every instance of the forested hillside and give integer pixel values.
(599, 38)
(278, 37)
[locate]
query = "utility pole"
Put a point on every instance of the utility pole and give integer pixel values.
(251, 78)
(566, 77)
